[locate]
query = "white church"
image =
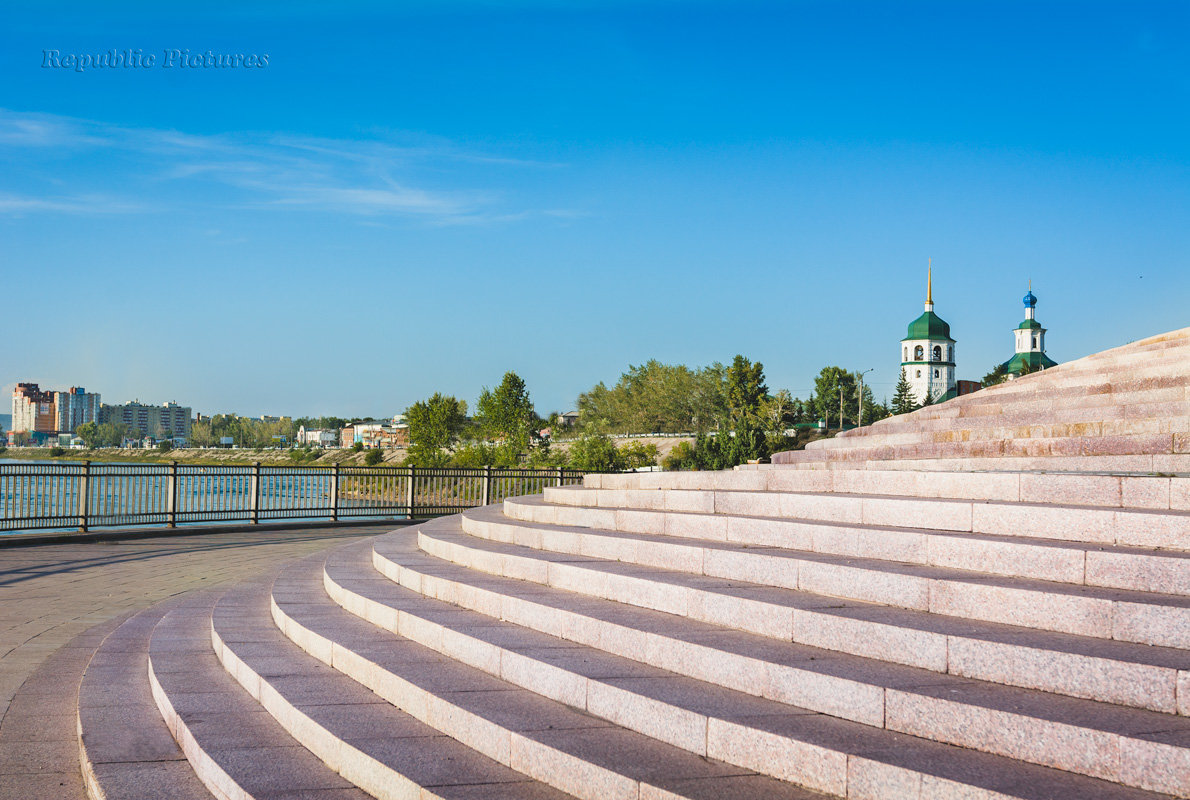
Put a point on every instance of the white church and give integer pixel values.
(928, 351)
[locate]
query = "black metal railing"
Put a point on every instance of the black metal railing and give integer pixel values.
(87, 495)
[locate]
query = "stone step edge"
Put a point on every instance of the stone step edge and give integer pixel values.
(1078, 563)
(220, 784)
(1139, 685)
(582, 779)
(92, 782)
(368, 773)
(759, 617)
(812, 697)
(709, 736)
(1155, 529)
(1127, 465)
(1129, 492)
(1055, 607)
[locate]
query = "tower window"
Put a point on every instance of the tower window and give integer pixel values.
(937, 353)
(904, 353)
(1035, 340)
(918, 353)
(919, 371)
(935, 373)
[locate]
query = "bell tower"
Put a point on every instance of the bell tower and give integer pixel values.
(928, 352)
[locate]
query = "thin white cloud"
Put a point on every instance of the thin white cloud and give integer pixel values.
(16, 205)
(256, 171)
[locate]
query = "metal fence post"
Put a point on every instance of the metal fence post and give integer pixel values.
(172, 508)
(487, 486)
(84, 495)
(409, 490)
(559, 476)
(335, 492)
(254, 485)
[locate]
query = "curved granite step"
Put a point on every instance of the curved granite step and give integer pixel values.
(1139, 617)
(1003, 485)
(1141, 676)
(845, 758)
(126, 751)
(234, 746)
(664, 535)
(1126, 527)
(573, 751)
(1031, 726)
(377, 747)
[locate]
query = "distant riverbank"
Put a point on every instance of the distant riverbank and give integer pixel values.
(196, 455)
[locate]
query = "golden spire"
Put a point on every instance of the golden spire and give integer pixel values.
(930, 282)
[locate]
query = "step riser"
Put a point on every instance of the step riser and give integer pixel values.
(534, 759)
(1083, 616)
(802, 763)
(1146, 572)
(374, 777)
(1019, 426)
(1167, 444)
(1136, 685)
(1172, 464)
(1123, 527)
(1026, 739)
(1108, 491)
(217, 781)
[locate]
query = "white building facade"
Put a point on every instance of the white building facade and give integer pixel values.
(928, 353)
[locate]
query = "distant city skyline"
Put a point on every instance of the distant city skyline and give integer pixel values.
(419, 199)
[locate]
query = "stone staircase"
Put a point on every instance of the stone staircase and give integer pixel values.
(862, 631)
(1122, 409)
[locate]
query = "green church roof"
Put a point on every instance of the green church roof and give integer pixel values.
(1029, 324)
(928, 326)
(1034, 361)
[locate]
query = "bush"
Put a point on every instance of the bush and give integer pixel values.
(57, 452)
(357, 447)
(374, 457)
(165, 445)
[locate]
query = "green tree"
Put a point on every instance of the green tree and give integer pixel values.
(89, 433)
(374, 457)
(745, 388)
(903, 400)
(434, 427)
(826, 395)
(506, 412)
(165, 445)
(999, 374)
(595, 452)
(657, 398)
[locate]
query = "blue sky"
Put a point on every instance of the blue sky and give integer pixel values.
(419, 198)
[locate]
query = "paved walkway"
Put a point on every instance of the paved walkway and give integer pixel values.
(50, 594)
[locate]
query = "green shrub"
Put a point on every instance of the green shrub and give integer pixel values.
(374, 457)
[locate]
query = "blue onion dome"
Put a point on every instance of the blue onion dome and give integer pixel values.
(1030, 300)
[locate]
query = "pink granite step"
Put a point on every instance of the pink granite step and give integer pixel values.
(575, 751)
(704, 541)
(1127, 527)
(233, 745)
(1140, 617)
(126, 749)
(1108, 490)
(844, 758)
(352, 730)
(1031, 726)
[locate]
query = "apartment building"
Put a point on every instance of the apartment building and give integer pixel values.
(165, 421)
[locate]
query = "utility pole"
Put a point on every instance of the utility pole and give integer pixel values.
(861, 396)
(840, 406)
